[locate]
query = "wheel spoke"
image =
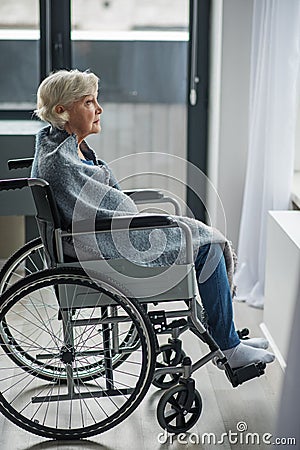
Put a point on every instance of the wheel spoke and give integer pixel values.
(171, 415)
(174, 403)
(180, 421)
(193, 410)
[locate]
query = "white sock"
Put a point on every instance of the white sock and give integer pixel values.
(256, 342)
(242, 355)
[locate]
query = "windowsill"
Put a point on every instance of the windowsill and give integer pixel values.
(295, 194)
(20, 127)
(106, 35)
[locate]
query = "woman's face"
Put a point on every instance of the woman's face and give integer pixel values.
(84, 117)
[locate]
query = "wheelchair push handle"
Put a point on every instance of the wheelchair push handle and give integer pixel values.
(144, 194)
(20, 183)
(20, 163)
(141, 221)
(17, 183)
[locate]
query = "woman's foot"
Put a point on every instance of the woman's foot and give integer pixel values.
(256, 342)
(242, 355)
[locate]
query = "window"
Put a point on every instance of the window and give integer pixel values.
(19, 49)
(105, 16)
(139, 49)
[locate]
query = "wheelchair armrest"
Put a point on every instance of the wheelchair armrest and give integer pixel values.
(21, 163)
(144, 195)
(152, 196)
(118, 223)
(137, 222)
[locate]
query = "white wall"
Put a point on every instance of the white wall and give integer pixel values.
(142, 144)
(297, 143)
(282, 280)
(229, 110)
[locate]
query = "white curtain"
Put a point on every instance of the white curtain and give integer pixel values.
(274, 77)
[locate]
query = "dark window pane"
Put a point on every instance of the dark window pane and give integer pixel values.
(19, 50)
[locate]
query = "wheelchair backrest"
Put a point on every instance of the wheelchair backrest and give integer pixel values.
(47, 217)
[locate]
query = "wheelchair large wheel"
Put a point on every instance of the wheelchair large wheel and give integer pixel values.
(82, 342)
(27, 260)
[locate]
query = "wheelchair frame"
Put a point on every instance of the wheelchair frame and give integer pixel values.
(180, 407)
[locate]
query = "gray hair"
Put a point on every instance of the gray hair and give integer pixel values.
(63, 88)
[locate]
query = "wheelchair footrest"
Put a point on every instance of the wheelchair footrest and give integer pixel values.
(240, 375)
(177, 324)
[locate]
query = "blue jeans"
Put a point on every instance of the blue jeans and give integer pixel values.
(215, 295)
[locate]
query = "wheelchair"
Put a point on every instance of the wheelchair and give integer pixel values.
(80, 346)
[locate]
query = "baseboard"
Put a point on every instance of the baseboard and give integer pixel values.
(275, 349)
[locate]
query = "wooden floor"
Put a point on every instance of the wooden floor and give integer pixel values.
(253, 406)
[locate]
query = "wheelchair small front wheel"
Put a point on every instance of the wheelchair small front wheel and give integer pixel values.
(168, 355)
(172, 413)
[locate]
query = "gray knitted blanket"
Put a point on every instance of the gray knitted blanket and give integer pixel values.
(91, 192)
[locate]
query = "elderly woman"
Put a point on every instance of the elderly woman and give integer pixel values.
(86, 188)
